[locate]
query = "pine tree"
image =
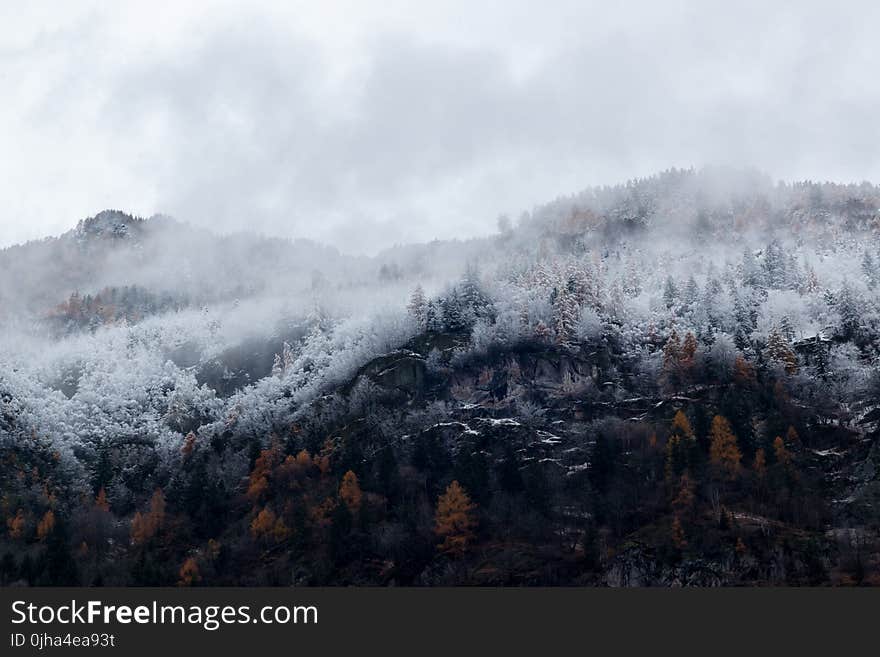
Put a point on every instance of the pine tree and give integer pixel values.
(632, 285)
(669, 292)
(691, 293)
(774, 266)
(794, 275)
(849, 305)
(811, 281)
(580, 285)
(565, 316)
(751, 272)
(456, 314)
(454, 520)
(616, 306)
(870, 270)
(434, 317)
(472, 296)
(743, 323)
(418, 307)
(786, 328)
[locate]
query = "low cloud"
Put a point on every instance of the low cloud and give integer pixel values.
(409, 130)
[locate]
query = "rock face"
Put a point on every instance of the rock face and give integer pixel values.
(403, 371)
(540, 411)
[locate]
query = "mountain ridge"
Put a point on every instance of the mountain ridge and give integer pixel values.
(667, 382)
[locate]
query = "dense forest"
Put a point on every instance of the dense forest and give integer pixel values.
(673, 381)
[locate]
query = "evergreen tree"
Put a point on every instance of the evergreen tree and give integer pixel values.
(670, 293)
(776, 275)
(870, 270)
(849, 307)
(752, 276)
(691, 294)
(434, 316)
(474, 301)
(418, 307)
(632, 285)
(742, 324)
(457, 316)
(566, 314)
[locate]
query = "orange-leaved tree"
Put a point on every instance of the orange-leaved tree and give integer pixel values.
(350, 492)
(16, 525)
(724, 452)
(678, 535)
(455, 520)
(189, 572)
(267, 526)
(783, 456)
(146, 526)
(760, 466)
(47, 524)
(101, 501)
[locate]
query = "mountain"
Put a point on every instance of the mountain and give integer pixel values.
(667, 382)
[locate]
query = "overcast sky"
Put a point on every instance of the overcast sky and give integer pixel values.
(364, 124)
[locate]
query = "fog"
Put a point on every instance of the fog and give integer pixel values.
(136, 327)
(281, 286)
(367, 126)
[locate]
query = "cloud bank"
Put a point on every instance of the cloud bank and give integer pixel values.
(365, 126)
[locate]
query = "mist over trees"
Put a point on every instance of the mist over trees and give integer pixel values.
(672, 380)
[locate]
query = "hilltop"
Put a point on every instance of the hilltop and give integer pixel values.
(670, 381)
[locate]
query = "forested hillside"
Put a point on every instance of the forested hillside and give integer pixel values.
(673, 381)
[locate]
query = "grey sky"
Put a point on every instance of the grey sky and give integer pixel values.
(365, 124)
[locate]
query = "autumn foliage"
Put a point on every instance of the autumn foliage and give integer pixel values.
(455, 521)
(724, 452)
(145, 526)
(189, 572)
(350, 492)
(266, 526)
(16, 525)
(47, 524)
